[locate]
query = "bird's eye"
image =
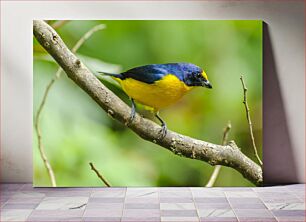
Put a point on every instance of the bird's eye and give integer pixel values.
(199, 75)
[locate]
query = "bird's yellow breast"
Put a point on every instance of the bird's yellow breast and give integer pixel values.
(157, 95)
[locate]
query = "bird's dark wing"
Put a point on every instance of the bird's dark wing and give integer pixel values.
(148, 74)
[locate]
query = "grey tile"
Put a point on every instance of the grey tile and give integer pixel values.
(104, 206)
(61, 203)
(179, 213)
(103, 213)
(109, 193)
(68, 193)
(54, 219)
(216, 213)
(20, 206)
(177, 206)
(173, 189)
(244, 200)
(213, 205)
(101, 219)
(106, 200)
(141, 206)
(10, 186)
(208, 193)
(210, 200)
(285, 206)
(140, 219)
(176, 200)
(289, 213)
(142, 200)
(57, 213)
(142, 193)
(256, 219)
(14, 214)
(143, 213)
(30, 200)
(179, 219)
(255, 213)
(291, 219)
(248, 206)
(240, 194)
(183, 194)
(219, 219)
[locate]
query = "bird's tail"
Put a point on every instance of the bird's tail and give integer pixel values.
(118, 76)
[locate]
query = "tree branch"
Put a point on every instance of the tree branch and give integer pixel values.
(99, 175)
(217, 168)
(248, 116)
(229, 155)
(44, 99)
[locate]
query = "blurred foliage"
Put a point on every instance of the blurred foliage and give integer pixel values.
(76, 131)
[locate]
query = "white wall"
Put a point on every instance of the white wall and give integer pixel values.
(285, 21)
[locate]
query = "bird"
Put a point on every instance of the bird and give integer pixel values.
(158, 86)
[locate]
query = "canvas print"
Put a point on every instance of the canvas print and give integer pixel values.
(173, 103)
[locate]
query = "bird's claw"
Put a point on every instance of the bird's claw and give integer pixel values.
(163, 131)
(131, 119)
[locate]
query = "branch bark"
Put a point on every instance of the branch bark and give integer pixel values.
(229, 155)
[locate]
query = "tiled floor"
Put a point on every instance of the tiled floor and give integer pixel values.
(21, 202)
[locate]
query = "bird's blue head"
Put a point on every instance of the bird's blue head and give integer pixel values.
(194, 75)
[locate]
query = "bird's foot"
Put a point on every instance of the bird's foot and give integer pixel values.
(163, 131)
(133, 114)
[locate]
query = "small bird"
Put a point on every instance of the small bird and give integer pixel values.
(160, 85)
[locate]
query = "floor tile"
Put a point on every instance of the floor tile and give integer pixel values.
(236, 205)
(183, 194)
(210, 200)
(141, 206)
(15, 214)
(178, 213)
(109, 193)
(208, 193)
(101, 219)
(240, 194)
(140, 219)
(142, 213)
(142, 193)
(213, 205)
(20, 206)
(61, 203)
(106, 200)
(289, 213)
(256, 219)
(10, 186)
(142, 200)
(285, 206)
(57, 213)
(219, 219)
(104, 205)
(177, 206)
(216, 213)
(176, 200)
(259, 213)
(244, 200)
(103, 213)
(179, 219)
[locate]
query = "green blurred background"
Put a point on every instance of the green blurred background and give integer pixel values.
(76, 131)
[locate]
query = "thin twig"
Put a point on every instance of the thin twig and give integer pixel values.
(248, 116)
(217, 168)
(43, 101)
(229, 155)
(59, 23)
(99, 175)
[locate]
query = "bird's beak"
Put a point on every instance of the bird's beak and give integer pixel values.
(207, 84)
